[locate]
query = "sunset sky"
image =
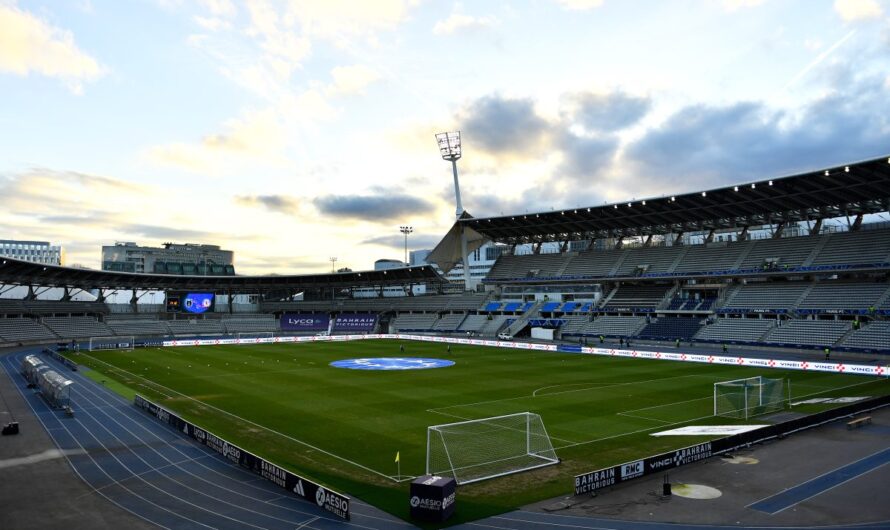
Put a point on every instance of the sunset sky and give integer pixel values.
(295, 130)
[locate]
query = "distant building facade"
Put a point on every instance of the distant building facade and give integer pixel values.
(33, 251)
(172, 258)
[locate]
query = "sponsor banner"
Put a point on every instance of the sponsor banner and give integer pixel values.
(708, 430)
(861, 369)
(331, 501)
(361, 322)
(602, 478)
(305, 322)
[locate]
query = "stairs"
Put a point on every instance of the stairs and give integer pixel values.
(823, 240)
(517, 325)
(742, 256)
(678, 259)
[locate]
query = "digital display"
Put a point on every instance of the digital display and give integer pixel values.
(197, 302)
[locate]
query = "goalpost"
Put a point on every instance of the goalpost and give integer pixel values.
(248, 336)
(746, 398)
(112, 343)
(486, 448)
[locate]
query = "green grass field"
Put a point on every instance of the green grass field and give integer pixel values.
(343, 427)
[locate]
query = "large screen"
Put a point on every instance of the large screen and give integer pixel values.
(197, 302)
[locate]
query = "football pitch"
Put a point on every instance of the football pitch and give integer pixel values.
(343, 428)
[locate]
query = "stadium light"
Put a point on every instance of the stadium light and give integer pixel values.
(333, 260)
(846, 169)
(450, 149)
(406, 230)
(753, 185)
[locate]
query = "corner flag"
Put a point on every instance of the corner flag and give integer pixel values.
(397, 456)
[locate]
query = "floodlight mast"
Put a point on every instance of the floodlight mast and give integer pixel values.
(450, 149)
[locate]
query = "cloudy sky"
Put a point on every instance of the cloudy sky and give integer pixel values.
(291, 131)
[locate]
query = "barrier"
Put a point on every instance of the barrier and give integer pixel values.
(331, 501)
(610, 476)
(830, 367)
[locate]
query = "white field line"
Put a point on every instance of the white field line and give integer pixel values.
(245, 420)
(641, 417)
(697, 419)
(607, 385)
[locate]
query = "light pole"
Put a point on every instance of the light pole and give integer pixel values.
(406, 230)
(332, 260)
(450, 149)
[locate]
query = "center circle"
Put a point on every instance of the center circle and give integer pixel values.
(391, 363)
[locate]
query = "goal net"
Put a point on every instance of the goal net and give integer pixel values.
(111, 343)
(746, 398)
(486, 448)
(254, 336)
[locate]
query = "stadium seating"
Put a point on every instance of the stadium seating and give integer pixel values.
(473, 323)
(671, 328)
(653, 259)
(765, 295)
(448, 322)
(868, 246)
(196, 326)
(250, 323)
(24, 329)
(637, 296)
(414, 321)
(873, 336)
(807, 332)
(841, 295)
(137, 325)
(77, 327)
(614, 326)
(735, 330)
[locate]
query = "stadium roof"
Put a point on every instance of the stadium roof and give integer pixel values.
(16, 272)
(851, 189)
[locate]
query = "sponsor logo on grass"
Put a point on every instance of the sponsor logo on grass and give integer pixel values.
(391, 363)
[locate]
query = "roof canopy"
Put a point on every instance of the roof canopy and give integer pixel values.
(856, 188)
(17, 272)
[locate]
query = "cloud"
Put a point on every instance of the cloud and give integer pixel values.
(415, 241)
(586, 157)
(605, 112)
(734, 5)
(255, 136)
(460, 23)
(707, 145)
(504, 126)
(219, 8)
(853, 10)
(352, 79)
(275, 203)
(29, 44)
(372, 207)
(342, 19)
(579, 5)
(168, 233)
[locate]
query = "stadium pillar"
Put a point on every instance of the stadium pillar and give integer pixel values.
(710, 236)
(134, 301)
(464, 256)
(648, 242)
(779, 230)
(816, 227)
(744, 235)
(679, 238)
(857, 223)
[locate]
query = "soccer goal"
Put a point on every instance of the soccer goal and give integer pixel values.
(486, 448)
(746, 398)
(112, 343)
(251, 336)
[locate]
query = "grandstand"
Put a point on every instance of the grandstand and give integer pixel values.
(736, 264)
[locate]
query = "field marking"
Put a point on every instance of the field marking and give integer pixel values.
(605, 385)
(641, 417)
(245, 420)
(468, 419)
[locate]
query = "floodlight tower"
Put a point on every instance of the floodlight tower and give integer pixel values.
(406, 230)
(450, 149)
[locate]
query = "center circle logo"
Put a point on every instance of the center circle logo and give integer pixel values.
(391, 363)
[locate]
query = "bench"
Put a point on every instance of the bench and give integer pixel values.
(858, 422)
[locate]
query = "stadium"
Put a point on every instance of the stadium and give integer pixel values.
(741, 316)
